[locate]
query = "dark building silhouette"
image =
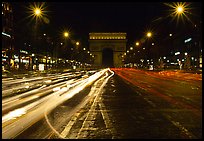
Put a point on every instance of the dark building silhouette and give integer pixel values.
(7, 36)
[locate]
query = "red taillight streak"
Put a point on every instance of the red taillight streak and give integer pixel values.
(127, 76)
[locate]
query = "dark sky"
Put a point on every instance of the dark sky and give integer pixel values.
(82, 18)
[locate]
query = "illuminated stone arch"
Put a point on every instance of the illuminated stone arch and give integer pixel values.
(114, 41)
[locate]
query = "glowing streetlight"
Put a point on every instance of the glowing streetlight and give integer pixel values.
(137, 43)
(37, 11)
(179, 9)
(77, 43)
(149, 34)
(66, 34)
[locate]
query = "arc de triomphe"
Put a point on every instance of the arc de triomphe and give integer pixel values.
(112, 41)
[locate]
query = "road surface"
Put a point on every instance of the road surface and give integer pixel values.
(121, 104)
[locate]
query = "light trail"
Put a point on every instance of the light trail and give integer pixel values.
(46, 81)
(126, 75)
(39, 91)
(95, 91)
(34, 112)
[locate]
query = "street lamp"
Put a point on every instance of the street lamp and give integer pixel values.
(66, 34)
(149, 34)
(179, 9)
(37, 11)
(137, 43)
(77, 43)
(77, 50)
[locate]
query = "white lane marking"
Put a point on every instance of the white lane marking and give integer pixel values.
(69, 125)
(92, 112)
(150, 102)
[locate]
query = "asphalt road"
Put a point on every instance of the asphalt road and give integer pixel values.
(130, 104)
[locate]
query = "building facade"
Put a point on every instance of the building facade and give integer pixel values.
(7, 36)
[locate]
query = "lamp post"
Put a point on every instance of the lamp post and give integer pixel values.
(148, 35)
(78, 51)
(37, 13)
(65, 35)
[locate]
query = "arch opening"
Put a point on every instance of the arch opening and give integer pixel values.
(107, 57)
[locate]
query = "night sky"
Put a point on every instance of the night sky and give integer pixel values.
(81, 18)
